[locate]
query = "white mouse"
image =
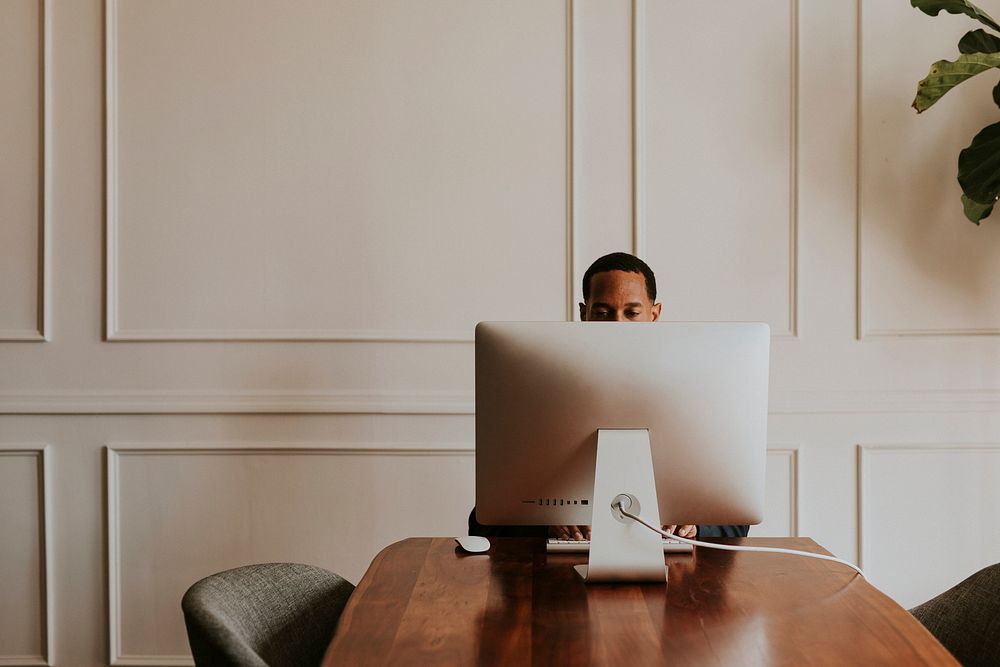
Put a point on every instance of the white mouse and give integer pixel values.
(473, 544)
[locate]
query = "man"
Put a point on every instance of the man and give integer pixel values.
(616, 288)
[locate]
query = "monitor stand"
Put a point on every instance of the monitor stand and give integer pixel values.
(622, 549)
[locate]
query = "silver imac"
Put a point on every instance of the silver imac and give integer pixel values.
(678, 411)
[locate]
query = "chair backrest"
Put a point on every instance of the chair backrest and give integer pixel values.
(966, 618)
(268, 615)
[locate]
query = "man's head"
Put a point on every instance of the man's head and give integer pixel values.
(619, 288)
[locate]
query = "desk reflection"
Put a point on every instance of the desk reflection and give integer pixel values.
(424, 602)
(548, 612)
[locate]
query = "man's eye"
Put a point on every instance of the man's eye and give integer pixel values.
(632, 314)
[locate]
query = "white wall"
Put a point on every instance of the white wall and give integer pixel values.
(250, 301)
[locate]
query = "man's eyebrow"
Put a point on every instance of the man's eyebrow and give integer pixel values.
(601, 304)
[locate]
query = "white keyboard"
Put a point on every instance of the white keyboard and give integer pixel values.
(554, 545)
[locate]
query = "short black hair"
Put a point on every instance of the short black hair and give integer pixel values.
(620, 261)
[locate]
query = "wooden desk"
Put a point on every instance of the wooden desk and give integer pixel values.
(424, 602)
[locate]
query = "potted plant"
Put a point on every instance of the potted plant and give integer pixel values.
(979, 162)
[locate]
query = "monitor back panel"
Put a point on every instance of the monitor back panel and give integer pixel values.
(543, 389)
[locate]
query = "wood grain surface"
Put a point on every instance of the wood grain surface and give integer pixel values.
(424, 601)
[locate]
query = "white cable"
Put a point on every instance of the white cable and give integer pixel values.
(730, 547)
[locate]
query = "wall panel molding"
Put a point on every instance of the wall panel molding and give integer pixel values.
(638, 128)
(906, 492)
(865, 452)
(42, 330)
(115, 451)
(925, 333)
(226, 402)
(115, 332)
(793, 459)
(639, 217)
(879, 402)
(863, 315)
(864, 331)
(571, 153)
(182, 401)
(39, 452)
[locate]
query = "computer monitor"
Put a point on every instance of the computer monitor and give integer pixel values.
(544, 391)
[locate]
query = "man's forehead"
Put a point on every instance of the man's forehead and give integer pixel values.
(618, 281)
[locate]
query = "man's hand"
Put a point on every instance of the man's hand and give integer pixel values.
(689, 532)
(570, 532)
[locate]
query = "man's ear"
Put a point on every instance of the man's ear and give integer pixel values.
(655, 312)
(583, 312)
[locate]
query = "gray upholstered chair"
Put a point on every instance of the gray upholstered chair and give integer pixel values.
(966, 618)
(269, 615)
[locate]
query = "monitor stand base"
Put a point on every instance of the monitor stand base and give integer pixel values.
(620, 548)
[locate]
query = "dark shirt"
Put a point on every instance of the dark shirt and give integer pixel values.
(476, 528)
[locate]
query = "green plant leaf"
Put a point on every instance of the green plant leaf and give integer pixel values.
(975, 211)
(945, 75)
(979, 166)
(979, 41)
(932, 7)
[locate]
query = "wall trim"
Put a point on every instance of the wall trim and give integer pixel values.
(22, 335)
(225, 402)
(113, 331)
(194, 401)
(571, 153)
(865, 452)
(793, 176)
(268, 448)
(638, 128)
(639, 217)
(888, 401)
(40, 451)
(280, 335)
(859, 258)
(115, 451)
(111, 167)
(43, 318)
(791, 453)
(867, 334)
